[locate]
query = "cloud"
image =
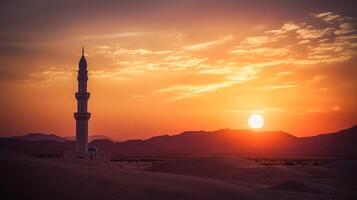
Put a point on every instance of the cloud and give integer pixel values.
(51, 74)
(294, 44)
(256, 54)
(258, 41)
(142, 52)
(185, 62)
(285, 73)
(263, 51)
(232, 76)
(347, 37)
(328, 17)
(328, 44)
(217, 70)
(279, 86)
(311, 33)
(345, 28)
(115, 74)
(186, 91)
(193, 90)
(231, 73)
(115, 51)
(287, 27)
(304, 42)
(113, 35)
(209, 44)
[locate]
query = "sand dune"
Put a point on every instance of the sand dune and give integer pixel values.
(304, 179)
(73, 179)
(232, 169)
(293, 186)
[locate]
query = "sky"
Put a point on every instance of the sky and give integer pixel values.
(163, 67)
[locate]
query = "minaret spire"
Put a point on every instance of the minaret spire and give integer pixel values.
(82, 50)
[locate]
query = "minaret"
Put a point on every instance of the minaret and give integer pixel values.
(82, 115)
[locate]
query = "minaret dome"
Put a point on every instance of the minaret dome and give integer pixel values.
(82, 61)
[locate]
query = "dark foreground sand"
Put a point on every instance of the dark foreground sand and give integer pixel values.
(25, 177)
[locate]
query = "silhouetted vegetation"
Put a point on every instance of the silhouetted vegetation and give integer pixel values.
(292, 161)
(49, 156)
(135, 159)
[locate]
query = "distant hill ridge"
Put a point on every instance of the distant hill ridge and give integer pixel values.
(44, 136)
(39, 137)
(224, 141)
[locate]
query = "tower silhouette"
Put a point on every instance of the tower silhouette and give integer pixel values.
(82, 115)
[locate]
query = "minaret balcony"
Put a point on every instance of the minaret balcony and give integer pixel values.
(82, 116)
(82, 95)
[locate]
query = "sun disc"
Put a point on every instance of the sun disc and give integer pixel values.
(256, 121)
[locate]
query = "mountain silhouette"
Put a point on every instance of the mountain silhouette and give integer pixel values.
(43, 136)
(225, 141)
(40, 137)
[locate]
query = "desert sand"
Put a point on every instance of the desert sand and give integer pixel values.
(213, 177)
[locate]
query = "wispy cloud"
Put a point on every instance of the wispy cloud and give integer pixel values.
(263, 51)
(287, 27)
(279, 86)
(304, 41)
(333, 43)
(143, 52)
(186, 91)
(328, 17)
(346, 28)
(310, 32)
(209, 44)
(232, 77)
(48, 74)
(258, 41)
(113, 35)
(293, 44)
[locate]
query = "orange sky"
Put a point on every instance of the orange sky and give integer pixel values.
(165, 67)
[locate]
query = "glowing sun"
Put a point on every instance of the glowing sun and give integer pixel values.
(256, 121)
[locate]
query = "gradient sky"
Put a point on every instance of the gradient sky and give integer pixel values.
(162, 67)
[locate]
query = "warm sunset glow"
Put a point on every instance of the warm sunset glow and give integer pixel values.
(160, 67)
(256, 121)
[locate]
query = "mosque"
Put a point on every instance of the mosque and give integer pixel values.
(82, 117)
